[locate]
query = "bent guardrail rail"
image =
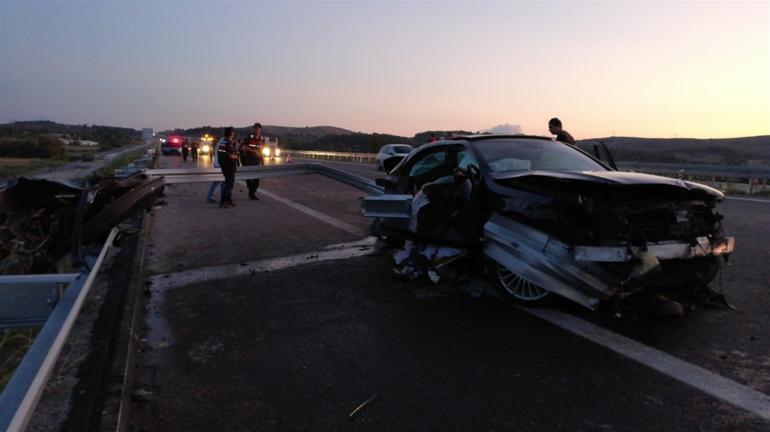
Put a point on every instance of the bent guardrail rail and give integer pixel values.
(21, 395)
(193, 175)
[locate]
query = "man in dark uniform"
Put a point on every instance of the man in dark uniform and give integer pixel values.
(227, 155)
(251, 154)
(194, 151)
(554, 126)
(185, 149)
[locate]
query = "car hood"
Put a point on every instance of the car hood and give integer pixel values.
(612, 178)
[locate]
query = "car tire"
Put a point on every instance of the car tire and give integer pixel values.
(514, 288)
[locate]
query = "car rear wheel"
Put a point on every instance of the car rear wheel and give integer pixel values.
(515, 288)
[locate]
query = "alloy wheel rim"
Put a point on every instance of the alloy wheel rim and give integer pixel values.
(519, 287)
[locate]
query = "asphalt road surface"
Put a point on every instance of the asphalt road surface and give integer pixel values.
(255, 323)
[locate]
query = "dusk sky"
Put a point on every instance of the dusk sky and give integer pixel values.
(653, 69)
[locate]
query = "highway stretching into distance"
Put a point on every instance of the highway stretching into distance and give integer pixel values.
(279, 315)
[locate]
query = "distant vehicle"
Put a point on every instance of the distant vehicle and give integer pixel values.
(398, 151)
(172, 145)
(206, 143)
(270, 150)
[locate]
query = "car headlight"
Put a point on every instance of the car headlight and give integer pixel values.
(206, 148)
(265, 151)
(277, 151)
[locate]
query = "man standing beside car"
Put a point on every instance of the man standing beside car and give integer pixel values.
(251, 154)
(554, 126)
(227, 155)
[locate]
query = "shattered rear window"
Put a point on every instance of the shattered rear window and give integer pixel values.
(505, 155)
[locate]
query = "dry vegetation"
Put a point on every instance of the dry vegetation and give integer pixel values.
(15, 166)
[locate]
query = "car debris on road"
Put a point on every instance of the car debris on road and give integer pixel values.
(42, 220)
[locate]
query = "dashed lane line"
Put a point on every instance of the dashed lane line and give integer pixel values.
(226, 271)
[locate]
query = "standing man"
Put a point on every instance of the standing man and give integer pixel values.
(185, 149)
(194, 151)
(217, 184)
(554, 126)
(228, 162)
(251, 154)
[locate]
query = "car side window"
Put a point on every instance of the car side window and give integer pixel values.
(466, 158)
(430, 162)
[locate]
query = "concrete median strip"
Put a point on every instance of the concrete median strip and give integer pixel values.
(706, 381)
(208, 274)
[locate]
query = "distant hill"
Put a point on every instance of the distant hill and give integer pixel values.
(717, 151)
(108, 136)
(43, 139)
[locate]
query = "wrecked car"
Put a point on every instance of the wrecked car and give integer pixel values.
(546, 219)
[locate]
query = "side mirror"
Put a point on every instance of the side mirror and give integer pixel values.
(391, 162)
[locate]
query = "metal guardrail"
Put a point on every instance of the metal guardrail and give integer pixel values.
(27, 300)
(753, 175)
(21, 395)
(327, 155)
(193, 175)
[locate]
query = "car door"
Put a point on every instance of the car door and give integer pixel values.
(424, 167)
(600, 151)
(398, 204)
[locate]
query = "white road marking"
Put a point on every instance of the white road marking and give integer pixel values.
(314, 213)
(213, 273)
(706, 381)
(350, 229)
(766, 201)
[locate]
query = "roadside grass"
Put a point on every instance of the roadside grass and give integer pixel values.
(118, 162)
(13, 346)
(15, 166)
(85, 153)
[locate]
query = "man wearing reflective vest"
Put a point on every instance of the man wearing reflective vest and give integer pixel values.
(227, 155)
(251, 154)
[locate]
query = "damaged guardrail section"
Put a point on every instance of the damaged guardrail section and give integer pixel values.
(544, 261)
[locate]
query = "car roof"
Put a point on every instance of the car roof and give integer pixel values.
(482, 137)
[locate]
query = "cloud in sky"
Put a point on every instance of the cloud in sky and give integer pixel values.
(507, 129)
